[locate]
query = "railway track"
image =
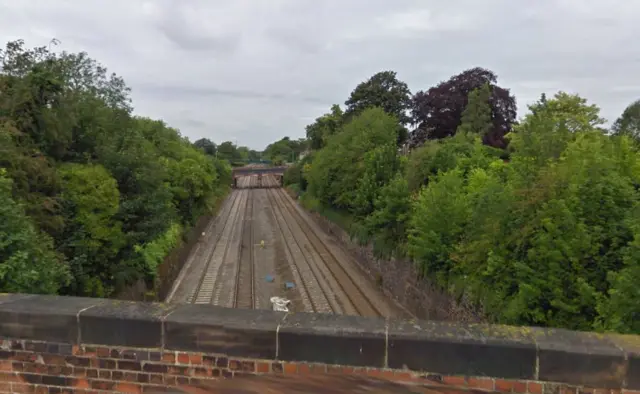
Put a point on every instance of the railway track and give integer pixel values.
(245, 278)
(222, 269)
(204, 293)
(353, 299)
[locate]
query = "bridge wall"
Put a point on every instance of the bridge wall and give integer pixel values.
(65, 344)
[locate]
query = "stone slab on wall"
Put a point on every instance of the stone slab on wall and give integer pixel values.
(56, 344)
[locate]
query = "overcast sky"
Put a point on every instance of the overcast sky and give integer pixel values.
(257, 70)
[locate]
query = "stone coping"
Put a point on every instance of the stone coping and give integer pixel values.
(553, 355)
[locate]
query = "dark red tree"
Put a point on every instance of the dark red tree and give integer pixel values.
(438, 111)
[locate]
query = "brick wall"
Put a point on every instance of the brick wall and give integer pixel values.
(64, 344)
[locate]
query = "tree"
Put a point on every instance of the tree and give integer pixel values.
(337, 168)
(438, 111)
(629, 122)
(476, 117)
(93, 237)
(382, 90)
(98, 189)
(324, 127)
(28, 263)
(206, 145)
(228, 151)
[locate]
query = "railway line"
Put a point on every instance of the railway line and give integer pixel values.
(263, 245)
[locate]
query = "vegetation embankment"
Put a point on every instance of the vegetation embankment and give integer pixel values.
(92, 197)
(534, 222)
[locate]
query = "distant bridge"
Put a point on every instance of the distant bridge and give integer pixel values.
(249, 171)
(275, 173)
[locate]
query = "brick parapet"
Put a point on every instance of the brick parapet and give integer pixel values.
(65, 344)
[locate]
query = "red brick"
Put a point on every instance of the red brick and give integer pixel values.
(485, 384)
(54, 359)
(103, 352)
(519, 387)
(201, 372)
(75, 349)
(195, 359)
(248, 366)
(170, 380)
(9, 377)
(41, 390)
(630, 391)
(183, 358)
(347, 370)
(263, 368)
(6, 365)
(169, 358)
(156, 379)
(374, 372)
(304, 369)
(5, 386)
(128, 388)
(403, 376)
(130, 377)
(534, 388)
(81, 384)
(504, 386)
(290, 368)
(234, 365)
(454, 380)
(21, 388)
(180, 370)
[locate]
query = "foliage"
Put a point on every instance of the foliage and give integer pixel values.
(629, 122)
(438, 111)
(27, 261)
(543, 232)
(338, 167)
(285, 150)
(207, 146)
(92, 195)
(324, 127)
(382, 90)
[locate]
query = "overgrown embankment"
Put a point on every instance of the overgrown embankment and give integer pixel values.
(93, 199)
(543, 232)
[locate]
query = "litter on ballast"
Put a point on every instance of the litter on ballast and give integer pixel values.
(280, 304)
(289, 285)
(269, 278)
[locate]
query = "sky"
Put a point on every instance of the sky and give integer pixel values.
(254, 71)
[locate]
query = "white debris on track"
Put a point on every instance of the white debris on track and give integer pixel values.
(280, 304)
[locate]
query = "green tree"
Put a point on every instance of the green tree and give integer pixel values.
(324, 127)
(629, 122)
(206, 145)
(476, 117)
(93, 237)
(382, 90)
(27, 261)
(338, 167)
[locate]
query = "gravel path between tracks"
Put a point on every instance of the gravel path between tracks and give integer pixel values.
(288, 246)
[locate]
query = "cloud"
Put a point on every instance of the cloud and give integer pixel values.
(254, 71)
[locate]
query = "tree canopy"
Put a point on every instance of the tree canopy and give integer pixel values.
(92, 197)
(533, 223)
(438, 111)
